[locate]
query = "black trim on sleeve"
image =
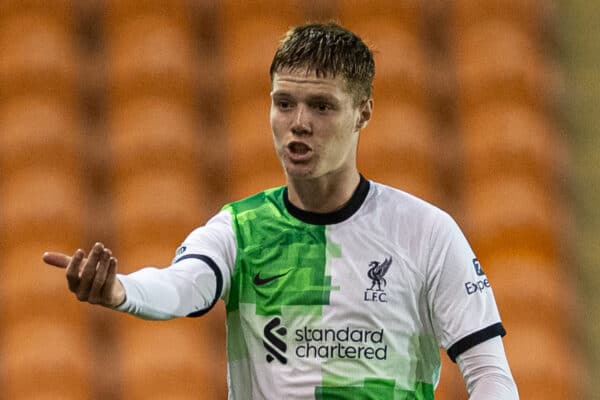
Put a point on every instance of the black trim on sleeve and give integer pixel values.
(348, 210)
(209, 261)
(474, 339)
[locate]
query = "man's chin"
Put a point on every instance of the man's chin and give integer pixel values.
(298, 171)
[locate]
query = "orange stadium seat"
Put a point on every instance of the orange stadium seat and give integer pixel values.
(156, 205)
(59, 9)
(394, 31)
(234, 9)
(214, 162)
(37, 204)
(153, 132)
(247, 186)
(398, 148)
(407, 14)
(146, 253)
(170, 360)
(38, 130)
(507, 138)
(152, 53)
(38, 54)
(400, 60)
(535, 291)
(43, 357)
(121, 10)
(250, 37)
(55, 396)
(514, 215)
(270, 12)
(251, 151)
(530, 14)
(30, 289)
(496, 60)
(544, 363)
(451, 385)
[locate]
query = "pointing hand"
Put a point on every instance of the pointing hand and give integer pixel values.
(92, 279)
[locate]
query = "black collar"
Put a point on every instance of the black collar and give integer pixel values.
(334, 217)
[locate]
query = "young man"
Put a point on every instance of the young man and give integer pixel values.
(335, 287)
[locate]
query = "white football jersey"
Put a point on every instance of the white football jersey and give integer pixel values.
(352, 304)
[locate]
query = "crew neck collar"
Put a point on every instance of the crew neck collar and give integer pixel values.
(334, 217)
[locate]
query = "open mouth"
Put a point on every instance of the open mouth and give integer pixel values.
(298, 148)
(299, 151)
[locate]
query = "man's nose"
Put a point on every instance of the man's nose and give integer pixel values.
(301, 121)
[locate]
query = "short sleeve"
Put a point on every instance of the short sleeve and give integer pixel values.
(214, 244)
(459, 294)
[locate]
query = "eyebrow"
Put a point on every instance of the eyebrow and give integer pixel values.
(325, 97)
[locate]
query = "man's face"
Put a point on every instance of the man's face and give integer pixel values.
(315, 124)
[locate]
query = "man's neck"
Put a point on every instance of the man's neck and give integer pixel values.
(324, 194)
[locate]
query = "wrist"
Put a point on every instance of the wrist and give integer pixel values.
(118, 296)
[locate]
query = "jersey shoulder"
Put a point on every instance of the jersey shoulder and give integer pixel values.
(272, 196)
(405, 205)
(408, 221)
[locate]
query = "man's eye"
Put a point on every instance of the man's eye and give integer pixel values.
(283, 104)
(323, 107)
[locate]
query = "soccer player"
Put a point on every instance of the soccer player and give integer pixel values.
(336, 287)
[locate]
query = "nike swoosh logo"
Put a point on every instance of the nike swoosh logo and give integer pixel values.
(258, 281)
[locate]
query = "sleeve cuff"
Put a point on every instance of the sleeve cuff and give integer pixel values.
(474, 339)
(219, 281)
(126, 305)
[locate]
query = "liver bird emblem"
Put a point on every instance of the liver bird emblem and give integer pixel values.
(377, 272)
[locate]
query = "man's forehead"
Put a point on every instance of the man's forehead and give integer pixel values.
(309, 79)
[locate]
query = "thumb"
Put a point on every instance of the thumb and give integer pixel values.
(56, 259)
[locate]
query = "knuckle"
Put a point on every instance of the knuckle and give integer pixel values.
(99, 279)
(72, 275)
(97, 286)
(88, 275)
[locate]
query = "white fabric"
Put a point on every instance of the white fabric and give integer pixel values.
(437, 259)
(434, 294)
(486, 372)
(160, 294)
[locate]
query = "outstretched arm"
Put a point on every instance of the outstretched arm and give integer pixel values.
(189, 287)
(197, 278)
(92, 279)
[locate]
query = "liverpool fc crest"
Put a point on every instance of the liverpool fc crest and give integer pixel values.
(376, 273)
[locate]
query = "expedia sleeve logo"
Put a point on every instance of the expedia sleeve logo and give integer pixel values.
(478, 285)
(477, 266)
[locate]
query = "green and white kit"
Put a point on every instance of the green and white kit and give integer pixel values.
(352, 304)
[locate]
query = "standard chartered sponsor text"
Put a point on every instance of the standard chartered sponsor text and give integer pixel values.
(343, 343)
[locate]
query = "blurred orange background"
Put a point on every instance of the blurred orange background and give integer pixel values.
(132, 121)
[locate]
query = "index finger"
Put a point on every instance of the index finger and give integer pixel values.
(55, 259)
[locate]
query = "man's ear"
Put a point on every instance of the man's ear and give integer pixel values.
(366, 110)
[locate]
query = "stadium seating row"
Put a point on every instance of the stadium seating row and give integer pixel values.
(42, 204)
(509, 155)
(514, 166)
